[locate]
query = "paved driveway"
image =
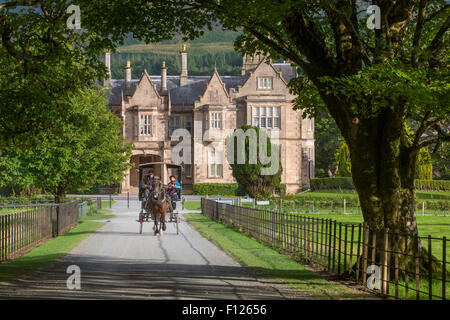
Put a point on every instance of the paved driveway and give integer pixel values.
(117, 262)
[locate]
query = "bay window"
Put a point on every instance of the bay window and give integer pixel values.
(266, 117)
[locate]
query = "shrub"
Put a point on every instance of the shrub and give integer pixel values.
(343, 183)
(249, 175)
(432, 185)
(346, 183)
(342, 158)
(223, 189)
(424, 167)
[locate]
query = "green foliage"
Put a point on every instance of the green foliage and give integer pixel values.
(84, 148)
(424, 166)
(347, 184)
(222, 189)
(342, 183)
(42, 63)
(249, 176)
(213, 49)
(343, 162)
(326, 135)
(199, 63)
(432, 185)
(441, 163)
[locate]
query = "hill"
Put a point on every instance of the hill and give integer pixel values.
(214, 48)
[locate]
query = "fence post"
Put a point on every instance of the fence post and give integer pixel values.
(417, 268)
(430, 270)
(384, 278)
(423, 208)
(110, 200)
(365, 252)
(444, 264)
(99, 203)
(128, 199)
(344, 205)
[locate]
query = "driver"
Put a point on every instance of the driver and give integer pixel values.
(147, 184)
(148, 181)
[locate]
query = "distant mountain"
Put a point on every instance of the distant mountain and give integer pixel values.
(214, 48)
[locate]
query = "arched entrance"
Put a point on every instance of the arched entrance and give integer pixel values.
(134, 175)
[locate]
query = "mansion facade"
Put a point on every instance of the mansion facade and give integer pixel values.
(153, 106)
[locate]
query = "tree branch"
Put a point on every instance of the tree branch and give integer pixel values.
(24, 3)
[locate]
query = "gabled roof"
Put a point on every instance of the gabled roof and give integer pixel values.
(288, 72)
(188, 94)
(146, 76)
(215, 75)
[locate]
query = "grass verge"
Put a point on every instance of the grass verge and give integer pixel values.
(192, 205)
(266, 261)
(48, 252)
(101, 214)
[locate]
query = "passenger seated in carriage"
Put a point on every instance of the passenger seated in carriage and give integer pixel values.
(173, 189)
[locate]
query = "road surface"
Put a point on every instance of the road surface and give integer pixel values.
(117, 262)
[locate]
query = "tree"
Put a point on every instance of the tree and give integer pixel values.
(424, 166)
(441, 163)
(370, 81)
(327, 137)
(42, 63)
(343, 162)
(84, 148)
(248, 175)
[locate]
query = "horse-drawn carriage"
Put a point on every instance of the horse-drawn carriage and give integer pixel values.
(160, 200)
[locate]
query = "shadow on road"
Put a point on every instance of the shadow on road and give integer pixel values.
(103, 278)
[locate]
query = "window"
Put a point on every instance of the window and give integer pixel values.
(187, 170)
(176, 122)
(188, 124)
(266, 117)
(265, 83)
(214, 164)
(216, 120)
(145, 125)
(309, 124)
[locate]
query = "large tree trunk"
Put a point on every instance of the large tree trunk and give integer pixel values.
(383, 174)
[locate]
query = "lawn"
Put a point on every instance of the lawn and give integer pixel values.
(192, 205)
(267, 261)
(48, 252)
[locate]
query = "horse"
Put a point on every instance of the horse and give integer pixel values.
(159, 203)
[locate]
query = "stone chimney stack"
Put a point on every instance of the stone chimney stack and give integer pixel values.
(184, 70)
(163, 77)
(107, 81)
(128, 75)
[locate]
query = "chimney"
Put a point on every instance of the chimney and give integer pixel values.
(128, 75)
(163, 77)
(184, 71)
(107, 81)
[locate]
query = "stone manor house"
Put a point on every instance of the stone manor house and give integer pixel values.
(153, 106)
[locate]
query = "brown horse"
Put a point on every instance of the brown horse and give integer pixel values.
(159, 203)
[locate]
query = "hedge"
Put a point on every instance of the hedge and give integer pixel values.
(223, 189)
(344, 183)
(432, 185)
